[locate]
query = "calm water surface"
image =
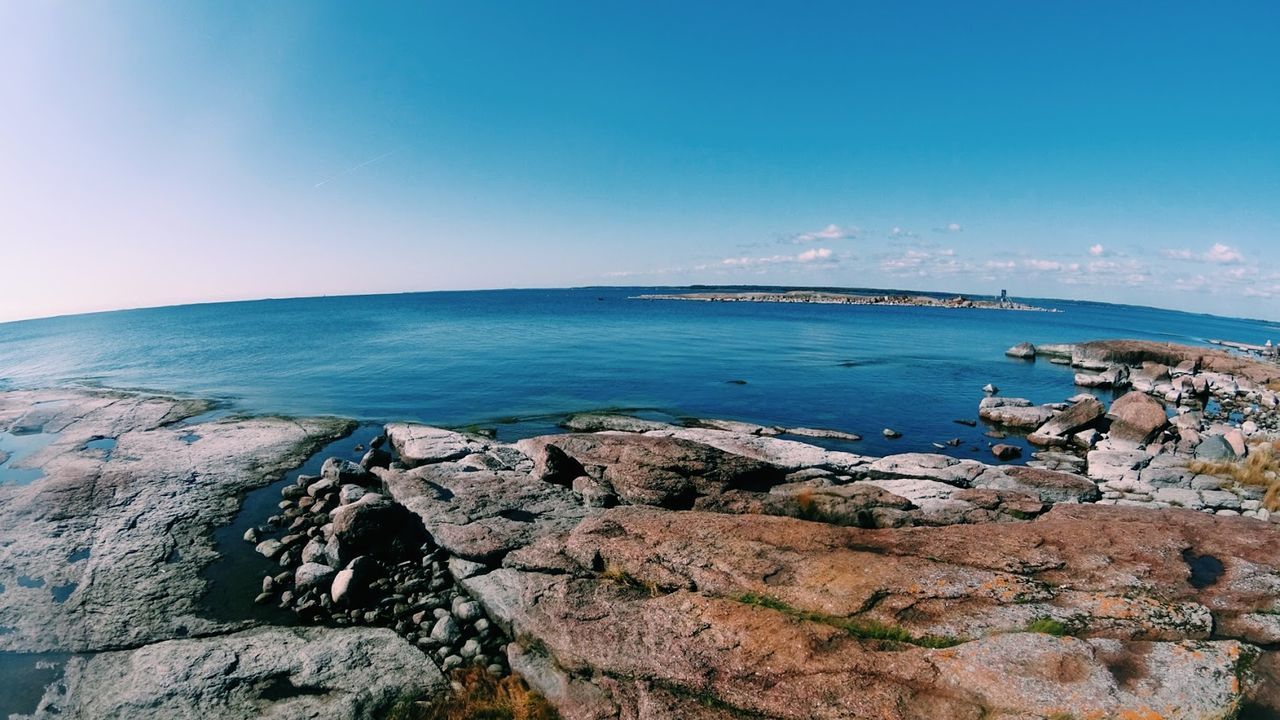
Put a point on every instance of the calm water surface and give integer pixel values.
(463, 358)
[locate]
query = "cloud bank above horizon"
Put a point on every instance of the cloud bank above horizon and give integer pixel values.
(158, 154)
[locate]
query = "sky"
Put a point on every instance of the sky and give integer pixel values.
(156, 153)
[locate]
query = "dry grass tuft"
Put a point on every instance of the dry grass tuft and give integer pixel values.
(478, 695)
(1260, 469)
(618, 575)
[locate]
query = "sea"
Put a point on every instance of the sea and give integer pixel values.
(517, 361)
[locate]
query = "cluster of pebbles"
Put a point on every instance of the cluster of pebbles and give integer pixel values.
(351, 556)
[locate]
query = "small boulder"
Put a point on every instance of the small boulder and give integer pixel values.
(375, 458)
(348, 494)
(1136, 418)
(309, 575)
(270, 549)
(891, 433)
(446, 631)
(1024, 351)
(1006, 452)
(1074, 419)
(341, 472)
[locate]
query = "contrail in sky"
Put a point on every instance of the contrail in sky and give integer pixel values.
(354, 168)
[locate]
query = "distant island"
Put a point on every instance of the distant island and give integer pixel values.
(840, 298)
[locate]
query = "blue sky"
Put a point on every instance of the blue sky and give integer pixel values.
(156, 153)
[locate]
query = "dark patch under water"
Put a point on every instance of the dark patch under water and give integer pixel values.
(189, 438)
(282, 688)
(1205, 569)
(24, 677)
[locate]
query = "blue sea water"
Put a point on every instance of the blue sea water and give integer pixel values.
(516, 359)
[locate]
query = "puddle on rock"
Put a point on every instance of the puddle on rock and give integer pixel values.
(1205, 569)
(104, 445)
(78, 555)
(62, 592)
(17, 445)
(30, 582)
(24, 677)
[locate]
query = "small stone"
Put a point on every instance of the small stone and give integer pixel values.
(891, 433)
(990, 389)
(469, 649)
(446, 631)
(350, 493)
(270, 549)
(251, 536)
(466, 610)
(450, 663)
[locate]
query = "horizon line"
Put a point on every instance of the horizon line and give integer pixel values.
(285, 298)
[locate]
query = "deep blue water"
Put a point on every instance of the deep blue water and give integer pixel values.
(462, 358)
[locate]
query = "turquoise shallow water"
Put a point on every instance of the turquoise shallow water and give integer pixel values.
(461, 358)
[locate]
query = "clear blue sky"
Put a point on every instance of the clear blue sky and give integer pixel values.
(164, 152)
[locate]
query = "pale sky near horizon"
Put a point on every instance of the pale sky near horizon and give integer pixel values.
(159, 153)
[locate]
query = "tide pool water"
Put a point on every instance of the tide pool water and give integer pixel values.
(519, 359)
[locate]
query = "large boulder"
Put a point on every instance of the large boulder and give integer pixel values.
(422, 444)
(597, 422)
(377, 527)
(1022, 351)
(1049, 486)
(1135, 417)
(655, 470)
(481, 515)
(1081, 415)
(1016, 413)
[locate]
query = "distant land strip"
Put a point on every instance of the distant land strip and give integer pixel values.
(833, 298)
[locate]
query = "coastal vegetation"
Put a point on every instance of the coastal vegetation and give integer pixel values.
(476, 694)
(856, 627)
(1260, 469)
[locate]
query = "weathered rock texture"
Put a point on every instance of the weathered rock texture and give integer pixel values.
(125, 537)
(781, 618)
(277, 673)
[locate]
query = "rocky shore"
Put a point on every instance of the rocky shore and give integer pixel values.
(840, 298)
(628, 568)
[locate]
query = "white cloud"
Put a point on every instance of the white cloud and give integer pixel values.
(830, 232)
(811, 256)
(1218, 253)
(1223, 254)
(815, 254)
(1097, 250)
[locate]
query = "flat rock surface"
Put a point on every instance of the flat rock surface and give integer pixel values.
(745, 612)
(276, 673)
(673, 593)
(421, 444)
(106, 549)
(482, 515)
